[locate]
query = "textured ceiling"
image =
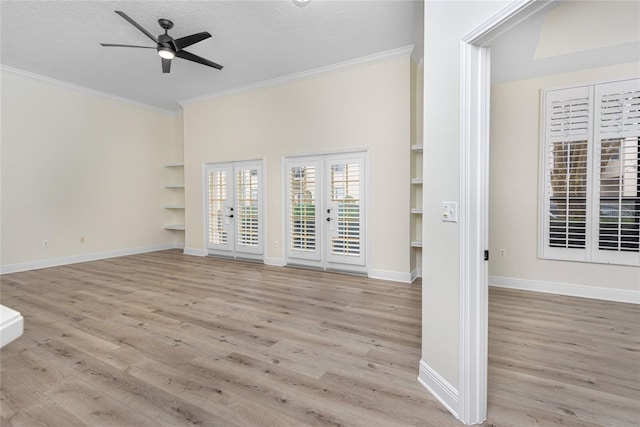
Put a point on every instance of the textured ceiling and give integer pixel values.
(255, 41)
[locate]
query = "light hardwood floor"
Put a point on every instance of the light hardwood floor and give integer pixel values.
(164, 339)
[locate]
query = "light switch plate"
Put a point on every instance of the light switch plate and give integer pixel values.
(450, 211)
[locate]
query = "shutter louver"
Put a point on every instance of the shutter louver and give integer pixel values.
(618, 179)
(247, 205)
(620, 114)
(345, 192)
(217, 197)
(568, 119)
(302, 208)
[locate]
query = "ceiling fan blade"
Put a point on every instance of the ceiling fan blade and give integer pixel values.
(166, 65)
(138, 26)
(195, 58)
(183, 42)
(125, 45)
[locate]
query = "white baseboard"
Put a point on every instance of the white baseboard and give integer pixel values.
(608, 294)
(275, 262)
(74, 259)
(394, 276)
(439, 387)
(195, 252)
(417, 272)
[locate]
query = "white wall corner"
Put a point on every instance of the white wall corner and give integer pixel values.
(393, 276)
(74, 259)
(195, 252)
(583, 291)
(439, 387)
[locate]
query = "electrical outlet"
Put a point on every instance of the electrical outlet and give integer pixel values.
(502, 253)
(45, 243)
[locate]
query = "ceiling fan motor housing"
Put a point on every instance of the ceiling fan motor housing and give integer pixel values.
(165, 24)
(165, 40)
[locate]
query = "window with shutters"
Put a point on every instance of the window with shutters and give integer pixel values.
(302, 208)
(345, 192)
(591, 185)
(217, 182)
(247, 206)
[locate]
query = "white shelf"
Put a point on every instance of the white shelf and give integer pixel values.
(416, 181)
(416, 211)
(417, 148)
(179, 227)
(180, 202)
(416, 244)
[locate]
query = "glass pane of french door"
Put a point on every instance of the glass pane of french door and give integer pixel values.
(219, 229)
(302, 207)
(344, 209)
(248, 227)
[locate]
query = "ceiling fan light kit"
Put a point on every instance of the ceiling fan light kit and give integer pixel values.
(168, 47)
(166, 53)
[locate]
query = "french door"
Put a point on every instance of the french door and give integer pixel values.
(234, 209)
(325, 215)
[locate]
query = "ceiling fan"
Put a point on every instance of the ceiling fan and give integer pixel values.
(167, 46)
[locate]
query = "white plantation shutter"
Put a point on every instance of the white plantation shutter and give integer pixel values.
(616, 181)
(217, 181)
(344, 184)
(569, 114)
(568, 118)
(303, 180)
(591, 189)
(248, 206)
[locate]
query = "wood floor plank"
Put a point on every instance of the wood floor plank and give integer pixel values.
(166, 339)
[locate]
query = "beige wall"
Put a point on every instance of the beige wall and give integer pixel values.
(514, 186)
(364, 107)
(75, 164)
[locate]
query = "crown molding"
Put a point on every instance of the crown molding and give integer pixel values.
(46, 79)
(402, 52)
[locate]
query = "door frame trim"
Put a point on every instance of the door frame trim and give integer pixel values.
(475, 86)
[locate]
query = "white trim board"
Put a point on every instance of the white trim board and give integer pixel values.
(582, 291)
(195, 252)
(393, 276)
(274, 262)
(74, 259)
(439, 388)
